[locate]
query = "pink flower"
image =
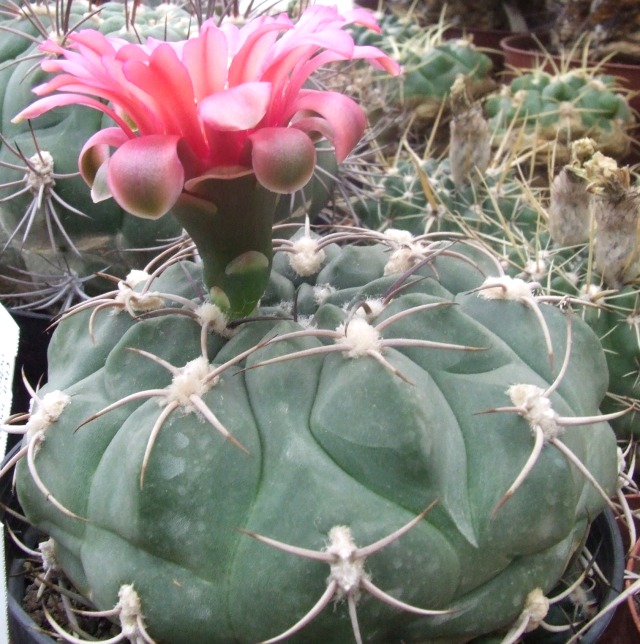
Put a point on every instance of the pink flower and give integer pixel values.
(227, 103)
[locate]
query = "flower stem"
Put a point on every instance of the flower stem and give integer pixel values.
(230, 222)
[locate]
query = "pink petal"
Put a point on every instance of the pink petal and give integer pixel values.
(283, 158)
(146, 175)
(206, 59)
(256, 39)
(362, 16)
(60, 100)
(377, 58)
(166, 81)
(95, 152)
(236, 109)
(344, 116)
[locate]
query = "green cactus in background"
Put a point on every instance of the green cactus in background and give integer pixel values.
(347, 414)
(421, 196)
(53, 237)
(431, 65)
(545, 112)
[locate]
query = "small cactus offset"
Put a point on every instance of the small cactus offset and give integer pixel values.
(547, 111)
(53, 237)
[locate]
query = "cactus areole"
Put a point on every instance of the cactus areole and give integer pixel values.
(399, 445)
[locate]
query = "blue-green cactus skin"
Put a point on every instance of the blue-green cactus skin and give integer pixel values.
(332, 440)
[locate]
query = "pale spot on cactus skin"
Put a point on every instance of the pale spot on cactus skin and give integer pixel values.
(172, 466)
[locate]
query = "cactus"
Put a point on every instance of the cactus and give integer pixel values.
(583, 246)
(431, 65)
(284, 409)
(348, 415)
(547, 111)
(53, 238)
(421, 195)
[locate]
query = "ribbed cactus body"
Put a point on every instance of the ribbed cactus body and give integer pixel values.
(365, 435)
(49, 225)
(399, 200)
(431, 65)
(549, 111)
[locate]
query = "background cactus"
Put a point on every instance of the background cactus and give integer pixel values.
(53, 237)
(431, 65)
(350, 416)
(546, 112)
(580, 241)
(420, 195)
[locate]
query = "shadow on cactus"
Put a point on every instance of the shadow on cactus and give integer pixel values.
(297, 422)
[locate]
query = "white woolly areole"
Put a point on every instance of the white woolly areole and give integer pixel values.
(307, 256)
(137, 302)
(191, 380)
(321, 292)
(347, 569)
(47, 411)
(212, 316)
(40, 171)
(136, 277)
(537, 607)
(130, 613)
(590, 293)
(398, 236)
(48, 553)
(506, 288)
(536, 409)
(537, 269)
(370, 309)
(359, 336)
(401, 261)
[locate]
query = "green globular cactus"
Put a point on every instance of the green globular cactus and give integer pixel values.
(421, 196)
(546, 112)
(431, 65)
(215, 481)
(53, 237)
